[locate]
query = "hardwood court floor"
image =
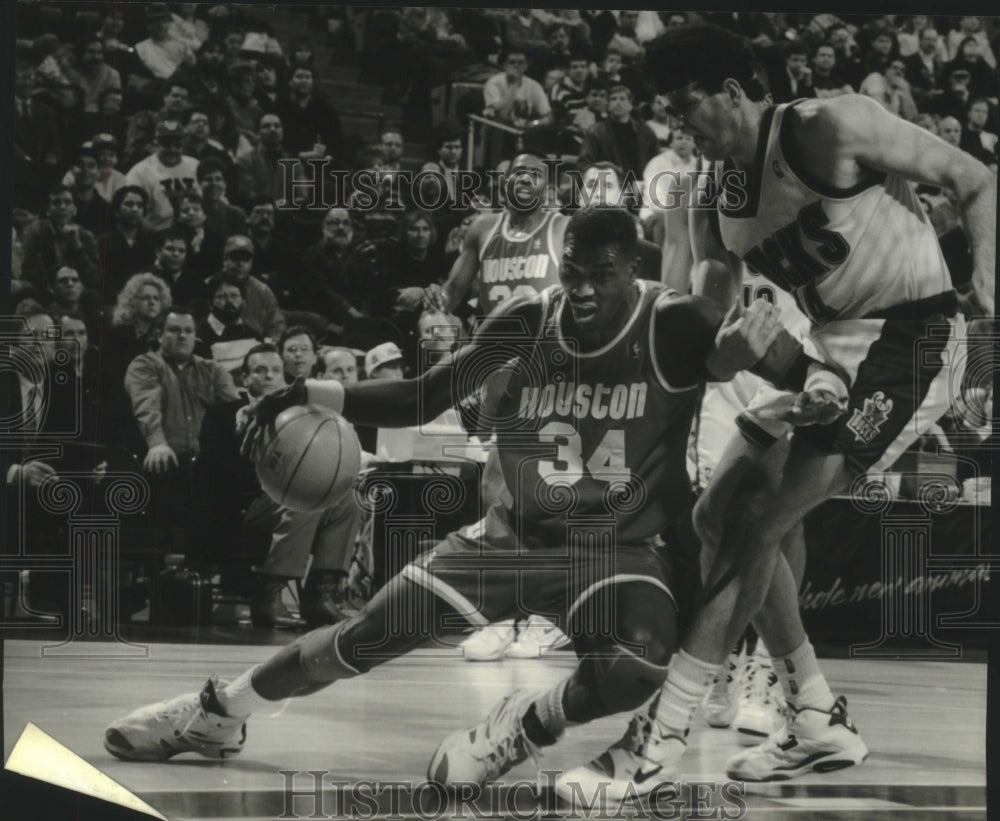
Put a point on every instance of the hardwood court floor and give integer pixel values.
(924, 722)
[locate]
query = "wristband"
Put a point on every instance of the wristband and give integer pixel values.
(821, 379)
(326, 392)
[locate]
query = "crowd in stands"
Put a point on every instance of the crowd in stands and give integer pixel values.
(155, 225)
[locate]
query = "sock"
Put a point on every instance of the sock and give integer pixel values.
(762, 651)
(801, 679)
(239, 699)
(687, 681)
(549, 711)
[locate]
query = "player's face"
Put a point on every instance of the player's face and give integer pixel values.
(341, 366)
(265, 374)
(177, 337)
(707, 117)
(299, 355)
(526, 183)
(597, 282)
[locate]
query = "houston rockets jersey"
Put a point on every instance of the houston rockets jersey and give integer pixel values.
(844, 254)
(601, 436)
(515, 264)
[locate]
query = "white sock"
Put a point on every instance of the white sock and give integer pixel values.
(688, 679)
(550, 711)
(761, 652)
(239, 699)
(801, 679)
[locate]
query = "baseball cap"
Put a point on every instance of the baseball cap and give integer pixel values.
(238, 242)
(102, 142)
(381, 355)
(169, 128)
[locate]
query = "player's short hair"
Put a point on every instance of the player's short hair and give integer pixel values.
(262, 347)
(593, 227)
(704, 54)
(296, 330)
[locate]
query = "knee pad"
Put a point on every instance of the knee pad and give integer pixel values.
(624, 680)
(320, 656)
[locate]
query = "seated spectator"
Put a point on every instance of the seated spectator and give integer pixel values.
(311, 125)
(170, 265)
(849, 61)
(92, 210)
(205, 80)
(376, 205)
(298, 350)
(524, 31)
(223, 337)
(108, 178)
(76, 332)
(199, 143)
(826, 82)
(340, 364)
(625, 40)
(660, 123)
(170, 390)
(440, 192)
(68, 294)
(274, 255)
(261, 312)
(569, 95)
(969, 58)
(950, 130)
(59, 240)
(204, 246)
(794, 79)
(259, 172)
(596, 108)
(133, 323)
(602, 25)
(924, 68)
(37, 145)
(971, 28)
(221, 218)
(92, 75)
(413, 263)
(556, 53)
(337, 271)
(164, 175)
(162, 52)
(186, 26)
(512, 97)
(392, 149)
(128, 247)
(621, 139)
(975, 138)
(614, 72)
(881, 51)
(268, 94)
(240, 100)
(384, 361)
(300, 53)
(891, 89)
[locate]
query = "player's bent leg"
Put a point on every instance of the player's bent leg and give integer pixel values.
(213, 722)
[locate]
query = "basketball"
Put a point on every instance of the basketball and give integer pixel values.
(311, 460)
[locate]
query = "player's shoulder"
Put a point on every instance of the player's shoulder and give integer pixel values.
(825, 118)
(483, 224)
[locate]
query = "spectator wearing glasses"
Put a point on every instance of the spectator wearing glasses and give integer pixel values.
(337, 275)
(260, 312)
(164, 175)
(199, 143)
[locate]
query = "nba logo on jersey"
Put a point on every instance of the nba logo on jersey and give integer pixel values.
(866, 422)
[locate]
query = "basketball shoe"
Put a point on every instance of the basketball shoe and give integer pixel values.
(536, 636)
(722, 700)
(489, 643)
(481, 754)
(810, 741)
(194, 722)
(761, 706)
(646, 759)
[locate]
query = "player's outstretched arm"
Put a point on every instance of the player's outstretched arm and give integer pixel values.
(853, 134)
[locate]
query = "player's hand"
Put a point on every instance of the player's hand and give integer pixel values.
(159, 459)
(435, 298)
(813, 407)
(260, 415)
(32, 474)
(409, 299)
(743, 338)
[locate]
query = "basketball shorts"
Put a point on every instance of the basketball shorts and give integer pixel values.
(904, 374)
(487, 574)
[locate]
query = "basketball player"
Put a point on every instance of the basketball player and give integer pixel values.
(825, 210)
(604, 376)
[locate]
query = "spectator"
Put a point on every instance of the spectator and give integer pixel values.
(92, 75)
(514, 98)
(982, 77)
(891, 89)
(826, 82)
(569, 95)
(300, 53)
(223, 337)
(298, 351)
(950, 130)
(75, 339)
(524, 32)
(415, 262)
(274, 256)
(108, 178)
(68, 294)
(378, 213)
(924, 68)
(261, 312)
(164, 175)
(970, 28)
(128, 247)
(140, 138)
(794, 80)
(260, 174)
(91, 208)
(37, 146)
(268, 95)
(662, 173)
(170, 264)
(206, 80)
(880, 52)
(311, 125)
(185, 25)
(975, 138)
(244, 110)
(596, 110)
(621, 139)
(660, 124)
(59, 240)
(392, 149)
(602, 25)
(162, 53)
(848, 62)
(556, 53)
(384, 361)
(625, 40)
(221, 219)
(337, 271)
(133, 322)
(339, 364)
(440, 191)
(199, 143)
(204, 247)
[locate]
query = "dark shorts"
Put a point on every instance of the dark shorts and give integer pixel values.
(904, 375)
(487, 574)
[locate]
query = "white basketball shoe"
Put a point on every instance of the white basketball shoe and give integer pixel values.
(761, 706)
(481, 754)
(722, 700)
(536, 636)
(812, 740)
(489, 643)
(194, 722)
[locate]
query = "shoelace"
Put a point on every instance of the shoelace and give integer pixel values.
(636, 734)
(505, 750)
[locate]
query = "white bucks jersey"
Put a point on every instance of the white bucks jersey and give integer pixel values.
(843, 254)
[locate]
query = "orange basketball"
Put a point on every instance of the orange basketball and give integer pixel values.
(311, 461)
